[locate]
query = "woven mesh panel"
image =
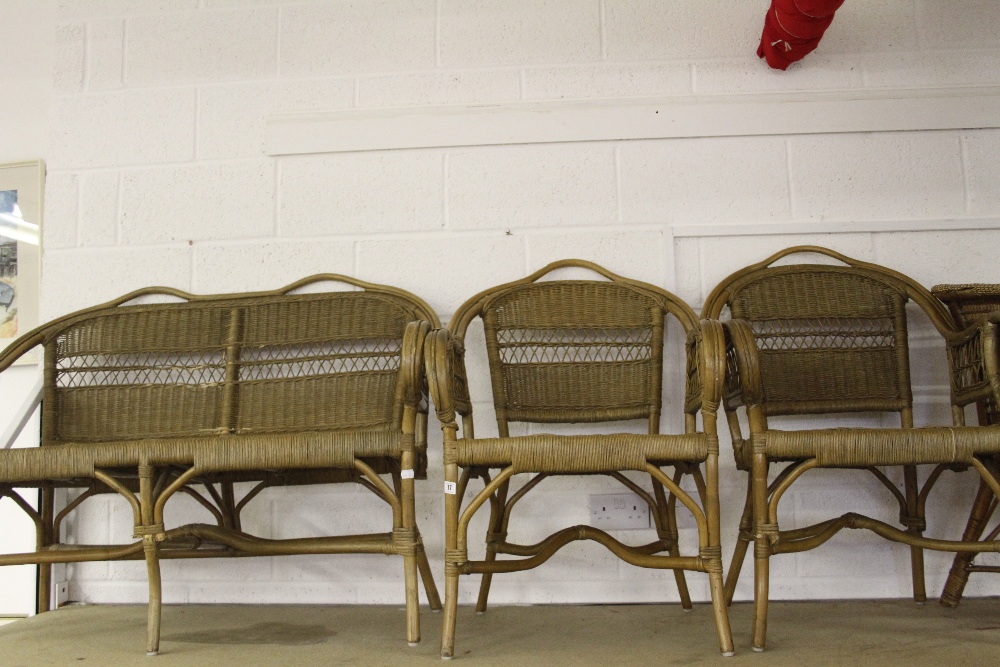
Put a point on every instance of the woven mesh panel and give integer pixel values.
(141, 372)
(831, 337)
(569, 350)
(289, 363)
(332, 363)
(968, 304)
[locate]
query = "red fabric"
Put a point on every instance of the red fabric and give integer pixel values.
(793, 28)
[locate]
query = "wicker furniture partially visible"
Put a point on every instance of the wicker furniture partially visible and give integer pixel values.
(575, 351)
(976, 307)
(271, 388)
(813, 339)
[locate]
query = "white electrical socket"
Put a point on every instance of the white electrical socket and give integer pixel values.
(619, 511)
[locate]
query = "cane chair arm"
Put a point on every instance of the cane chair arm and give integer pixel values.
(706, 368)
(412, 381)
(444, 356)
(744, 386)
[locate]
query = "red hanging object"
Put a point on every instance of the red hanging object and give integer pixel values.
(793, 28)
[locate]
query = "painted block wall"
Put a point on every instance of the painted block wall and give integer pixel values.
(158, 176)
(26, 82)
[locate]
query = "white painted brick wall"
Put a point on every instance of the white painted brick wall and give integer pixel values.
(230, 115)
(105, 57)
(221, 45)
(518, 32)
(98, 222)
(611, 81)
(532, 186)
(894, 176)
(262, 265)
(347, 37)
(69, 57)
(157, 176)
(184, 203)
(133, 127)
(689, 181)
(374, 192)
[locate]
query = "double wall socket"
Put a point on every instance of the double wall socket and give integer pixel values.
(619, 511)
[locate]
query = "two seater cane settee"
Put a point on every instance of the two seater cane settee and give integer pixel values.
(218, 396)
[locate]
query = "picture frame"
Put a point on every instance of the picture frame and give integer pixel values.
(22, 204)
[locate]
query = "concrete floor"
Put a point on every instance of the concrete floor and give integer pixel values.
(801, 633)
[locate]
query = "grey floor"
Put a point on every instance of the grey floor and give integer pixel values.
(801, 633)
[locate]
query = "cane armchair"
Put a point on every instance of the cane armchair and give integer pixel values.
(816, 339)
(577, 351)
(976, 308)
(150, 400)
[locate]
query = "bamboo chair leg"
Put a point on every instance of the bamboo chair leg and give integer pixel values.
(155, 596)
(412, 599)
(150, 550)
(497, 506)
(710, 501)
(404, 487)
(669, 509)
(433, 599)
(762, 551)
(450, 613)
(740, 554)
(451, 510)
(45, 538)
(959, 575)
(914, 526)
(720, 611)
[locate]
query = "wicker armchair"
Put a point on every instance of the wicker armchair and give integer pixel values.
(153, 399)
(976, 308)
(572, 351)
(809, 339)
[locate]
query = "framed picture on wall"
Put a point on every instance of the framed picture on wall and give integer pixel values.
(21, 204)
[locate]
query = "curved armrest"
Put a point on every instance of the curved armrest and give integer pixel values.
(706, 368)
(444, 356)
(743, 381)
(974, 362)
(413, 385)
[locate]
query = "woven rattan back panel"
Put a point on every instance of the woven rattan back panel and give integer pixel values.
(574, 351)
(969, 304)
(324, 375)
(830, 339)
(247, 365)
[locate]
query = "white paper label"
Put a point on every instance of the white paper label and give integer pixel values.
(450, 488)
(406, 474)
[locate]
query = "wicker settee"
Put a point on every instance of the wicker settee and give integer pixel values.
(221, 397)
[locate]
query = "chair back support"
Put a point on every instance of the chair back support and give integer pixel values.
(569, 351)
(264, 363)
(970, 304)
(830, 339)
(574, 352)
